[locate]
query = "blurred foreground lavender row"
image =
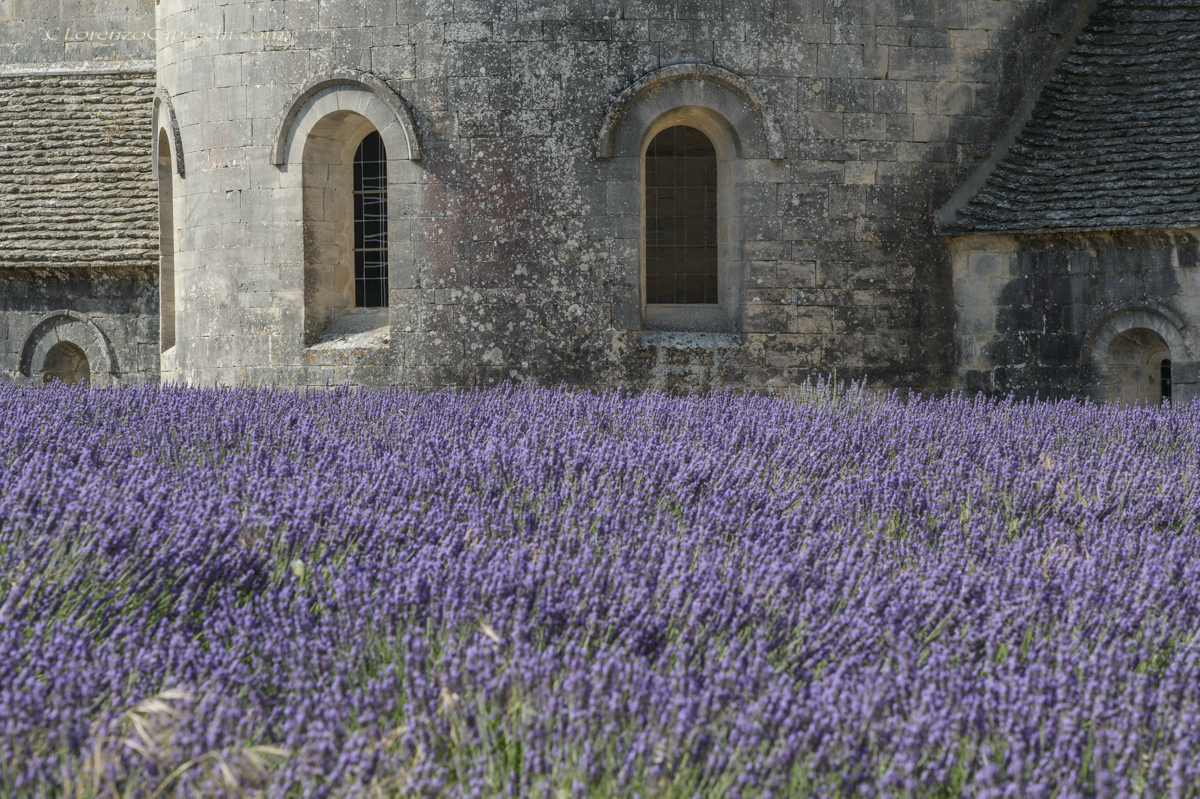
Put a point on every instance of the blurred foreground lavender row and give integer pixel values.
(540, 593)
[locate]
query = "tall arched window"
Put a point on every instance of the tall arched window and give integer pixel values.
(681, 218)
(166, 246)
(370, 224)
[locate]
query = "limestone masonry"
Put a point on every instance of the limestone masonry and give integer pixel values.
(995, 195)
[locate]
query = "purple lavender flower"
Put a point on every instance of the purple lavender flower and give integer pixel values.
(529, 592)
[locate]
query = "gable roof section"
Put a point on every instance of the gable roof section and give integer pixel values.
(1114, 140)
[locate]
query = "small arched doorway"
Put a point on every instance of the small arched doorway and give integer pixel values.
(66, 363)
(1138, 368)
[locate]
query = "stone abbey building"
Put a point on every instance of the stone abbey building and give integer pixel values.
(996, 195)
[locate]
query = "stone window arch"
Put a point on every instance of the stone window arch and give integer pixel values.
(330, 253)
(166, 149)
(163, 118)
(732, 116)
(317, 144)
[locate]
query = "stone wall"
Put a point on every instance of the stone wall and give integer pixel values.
(37, 33)
(1036, 314)
(518, 249)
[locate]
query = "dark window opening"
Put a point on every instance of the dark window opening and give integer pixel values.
(66, 363)
(681, 218)
(370, 224)
(1166, 379)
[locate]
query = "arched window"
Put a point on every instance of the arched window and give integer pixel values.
(346, 238)
(681, 218)
(1165, 379)
(370, 224)
(166, 246)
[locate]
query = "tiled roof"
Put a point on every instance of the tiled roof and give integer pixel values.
(1114, 140)
(76, 185)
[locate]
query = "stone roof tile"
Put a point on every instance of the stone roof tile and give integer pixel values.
(1114, 140)
(76, 184)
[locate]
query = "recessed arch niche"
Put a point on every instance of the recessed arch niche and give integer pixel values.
(1127, 352)
(43, 353)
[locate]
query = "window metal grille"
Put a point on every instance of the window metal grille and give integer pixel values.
(370, 224)
(681, 218)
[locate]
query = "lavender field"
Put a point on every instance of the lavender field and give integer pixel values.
(542, 593)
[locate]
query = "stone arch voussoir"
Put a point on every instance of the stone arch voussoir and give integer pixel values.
(163, 118)
(400, 115)
(1133, 316)
(675, 74)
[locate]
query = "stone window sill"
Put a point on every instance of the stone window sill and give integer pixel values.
(688, 327)
(358, 329)
(691, 341)
(686, 319)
